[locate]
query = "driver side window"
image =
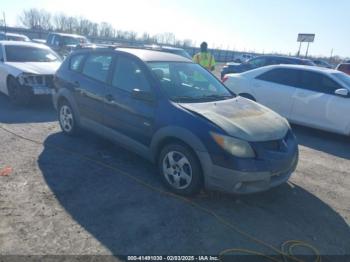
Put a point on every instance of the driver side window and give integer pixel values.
(128, 76)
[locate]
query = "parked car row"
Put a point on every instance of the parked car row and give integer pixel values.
(261, 61)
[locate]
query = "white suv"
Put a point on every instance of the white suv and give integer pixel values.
(26, 70)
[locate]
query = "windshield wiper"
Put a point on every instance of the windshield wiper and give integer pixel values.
(190, 98)
(220, 97)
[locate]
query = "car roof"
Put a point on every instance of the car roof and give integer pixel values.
(285, 57)
(69, 35)
(161, 47)
(12, 34)
(300, 67)
(20, 43)
(153, 55)
(147, 55)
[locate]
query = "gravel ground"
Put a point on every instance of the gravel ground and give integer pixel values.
(55, 202)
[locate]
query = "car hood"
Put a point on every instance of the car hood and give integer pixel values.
(38, 68)
(242, 118)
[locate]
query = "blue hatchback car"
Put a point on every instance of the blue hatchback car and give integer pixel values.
(179, 116)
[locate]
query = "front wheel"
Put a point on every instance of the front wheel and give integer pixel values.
(180, 170)
(18, 95)
(67, 119)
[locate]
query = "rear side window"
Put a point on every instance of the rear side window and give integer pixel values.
(258, 62)
(288, 77)
(75, 62)
(129, 76)
(318, 83)
(97, 66)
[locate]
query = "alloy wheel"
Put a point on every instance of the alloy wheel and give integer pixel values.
(177, 170)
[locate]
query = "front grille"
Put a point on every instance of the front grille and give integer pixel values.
(271, 145)
(279, 145)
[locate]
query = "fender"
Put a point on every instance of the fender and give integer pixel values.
(176, 132)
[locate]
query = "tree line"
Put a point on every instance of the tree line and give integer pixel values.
(41, 19)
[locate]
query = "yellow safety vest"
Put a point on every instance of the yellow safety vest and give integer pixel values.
(204, 59)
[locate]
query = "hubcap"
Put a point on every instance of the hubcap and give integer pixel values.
(177, 170)
(66, 118)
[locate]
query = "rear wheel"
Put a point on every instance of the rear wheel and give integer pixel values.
(18, 95)
(67, 119)
(180, 169)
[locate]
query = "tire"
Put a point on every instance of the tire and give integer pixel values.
(248, 96)
(67, 119)
(180, 170)
(18, 95)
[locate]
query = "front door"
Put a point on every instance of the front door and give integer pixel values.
(125, 113)
(316, 104)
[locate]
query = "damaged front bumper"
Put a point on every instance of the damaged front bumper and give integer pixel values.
(36, 84)
(274, 164)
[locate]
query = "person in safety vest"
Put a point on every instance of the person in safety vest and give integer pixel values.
(204, 58)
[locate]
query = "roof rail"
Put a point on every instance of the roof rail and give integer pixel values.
(95, 46)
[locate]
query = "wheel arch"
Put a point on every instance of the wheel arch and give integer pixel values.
(174, 133)
(8, 77)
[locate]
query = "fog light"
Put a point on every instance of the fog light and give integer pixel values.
(238, 186)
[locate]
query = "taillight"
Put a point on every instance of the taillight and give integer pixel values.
(224, 79)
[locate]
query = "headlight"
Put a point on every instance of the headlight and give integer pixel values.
(234, 146)
(30, 80)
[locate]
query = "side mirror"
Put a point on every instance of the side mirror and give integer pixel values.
(142, 95)
(342, 92)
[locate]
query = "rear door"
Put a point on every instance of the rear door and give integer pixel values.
(125, 113)
(275, 89)
(91, 85)
(316, 104)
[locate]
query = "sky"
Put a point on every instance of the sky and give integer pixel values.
(244, 25)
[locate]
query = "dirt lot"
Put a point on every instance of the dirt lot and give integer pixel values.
(56, 202)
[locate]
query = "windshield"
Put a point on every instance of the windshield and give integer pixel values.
(17, 53)
(74, 40)
(18, 38)
(180, 52)
(307, 62)
(188, 82)
(344, 78)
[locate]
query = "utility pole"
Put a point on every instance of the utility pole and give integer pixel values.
(330, 58)
(299, 49)
(307, 50)
(3, 14)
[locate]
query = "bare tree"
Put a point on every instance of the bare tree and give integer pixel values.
(36, 19)
(60, 22)
(106, 30)
(41, 19)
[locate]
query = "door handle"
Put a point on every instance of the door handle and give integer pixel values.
(76, 84)
(109, 98)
